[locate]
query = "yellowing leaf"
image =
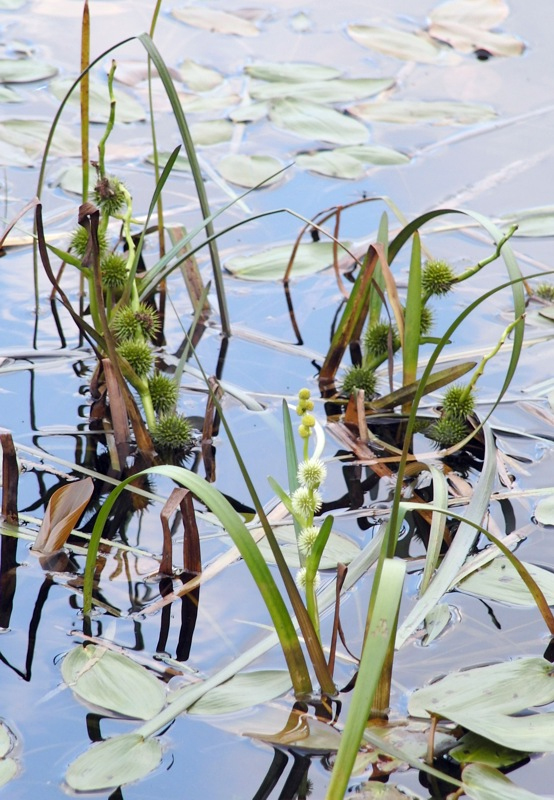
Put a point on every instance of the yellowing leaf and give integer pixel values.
(62, 514)
(214, 20)
(399, 44)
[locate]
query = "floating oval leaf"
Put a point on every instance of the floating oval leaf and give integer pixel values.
(114, 762)
(532, 221)
(249, 171)
(376, 154)
(113, 681)
(250, 113)
(127, 109)
(213, 20)
(482, 782)
(270, 265)
(12, 156)
(483, 14)
(8, 95)
(212, 131)
(8, 770)
(181, 163)
(399, 44)
(468, 39)
(314, 121)
(475, 748)
(332, 163)
(30, 136)
(24, 70)
(244, 690)
(199, 103)
(500, 581)
(6, 740)
(199, 78)
(411, 112)
(338, 548)
(71, 180)
(374, 790)
(328, 91)
(291, 72)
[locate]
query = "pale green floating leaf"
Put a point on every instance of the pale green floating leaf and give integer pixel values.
(338, 90)
(250, 113)
(483, 14)
(435, 622)
(8, 95)
(245, 690)
(113, 681)
(532, 221)
(308, 735)
(411, 112)
(12, 156)
(197, 104)
(399, 44)
(127, 109)
(199, 78)
(376, 154)
(482, 782)
(249, 171)
(25, 70)
(30, 136)
(270, 265)
(8, 770)
(71, 180)
(213, 20)
(6, 740)
(499, 689)
(533, 733)
(11, 5)
(113, 763)
(468, 39)
(181, 163)
(300, 22)
(544, 511)
(500, 581)
(291, 71)
(332, 163)
(475, 748)
(213, 131)
(338, 548)
(374, 790)
(314, 121)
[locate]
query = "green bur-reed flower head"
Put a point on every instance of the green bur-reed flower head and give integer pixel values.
(311, 473)
(172, 432)
(306, 539)
(458, 402)
(427, 320)
(437, 277)
(448, 431)
(110, 195)
(545, 291)
(164, 393)
(359, 378)
(129, 323)
(139, 356)
(113, 270)
(377, 339)
(79, 241)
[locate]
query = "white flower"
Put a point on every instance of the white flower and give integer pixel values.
(307, 538)
(301, 578)
(305, 502)
(311, 473)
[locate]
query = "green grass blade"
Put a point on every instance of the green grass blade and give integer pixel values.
(376, 297)
(380, 634)
(412, 318)
(292, 463)
(436, 534)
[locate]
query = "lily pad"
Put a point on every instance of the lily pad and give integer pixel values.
(499, 581)
(211, 19)
(8, 95)
(181, 163)
(114, 762)
(482, 782)
(249, 171)
(244, 690)
(291, 72)
(71, 180)
(127, 109)
(399, 44)
(113, 681)
(544, 512)
(338, 547)
(212, 131)
(376, 154)
(332, 163)
(270, 265)
(339, 90)
(411, 112)
(314, 121)
(252, 112)
(199, 78)
(25, 70)
(29, 136)
(374, 790)
(194, 103)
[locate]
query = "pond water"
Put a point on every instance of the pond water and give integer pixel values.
(497, 166)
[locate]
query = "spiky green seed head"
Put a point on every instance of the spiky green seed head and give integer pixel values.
(124, 324)
(306, 539)
(437, 277)
(545, 291)
(427, 320)
(311, 473)
(109, 195)
(448, 431)
(305, 502)
(164, 393)
(301, 578)
(359, 378)
(148, 320)
(458, 402)
(172, 432)
(139, 356)
(79, 241)
(113, 270)
(377, 339)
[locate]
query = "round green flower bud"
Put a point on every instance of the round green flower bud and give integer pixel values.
(458, 402)
(304, 432)
(377, 339)
(139, 356)
(113, 270)
(304, 394)
(164, 393)
(308, 420)
(359, 378)
(172, 432)
(79, 241)
(109, 195)
(437, 277)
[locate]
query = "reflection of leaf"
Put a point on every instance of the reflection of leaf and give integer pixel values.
(218, 21)
(531, 221)
(338, 549)
(500, 581)
(293, 72)
(270, 265)
(249, 171)
(126, 109)
(314, 121)
(244, 690)
(62, 514)
(339, 90)
(400, 44)
(199, 78)
(482, 782)
(114, 762)
(24, 70)
(113, 681)
(410, 112)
